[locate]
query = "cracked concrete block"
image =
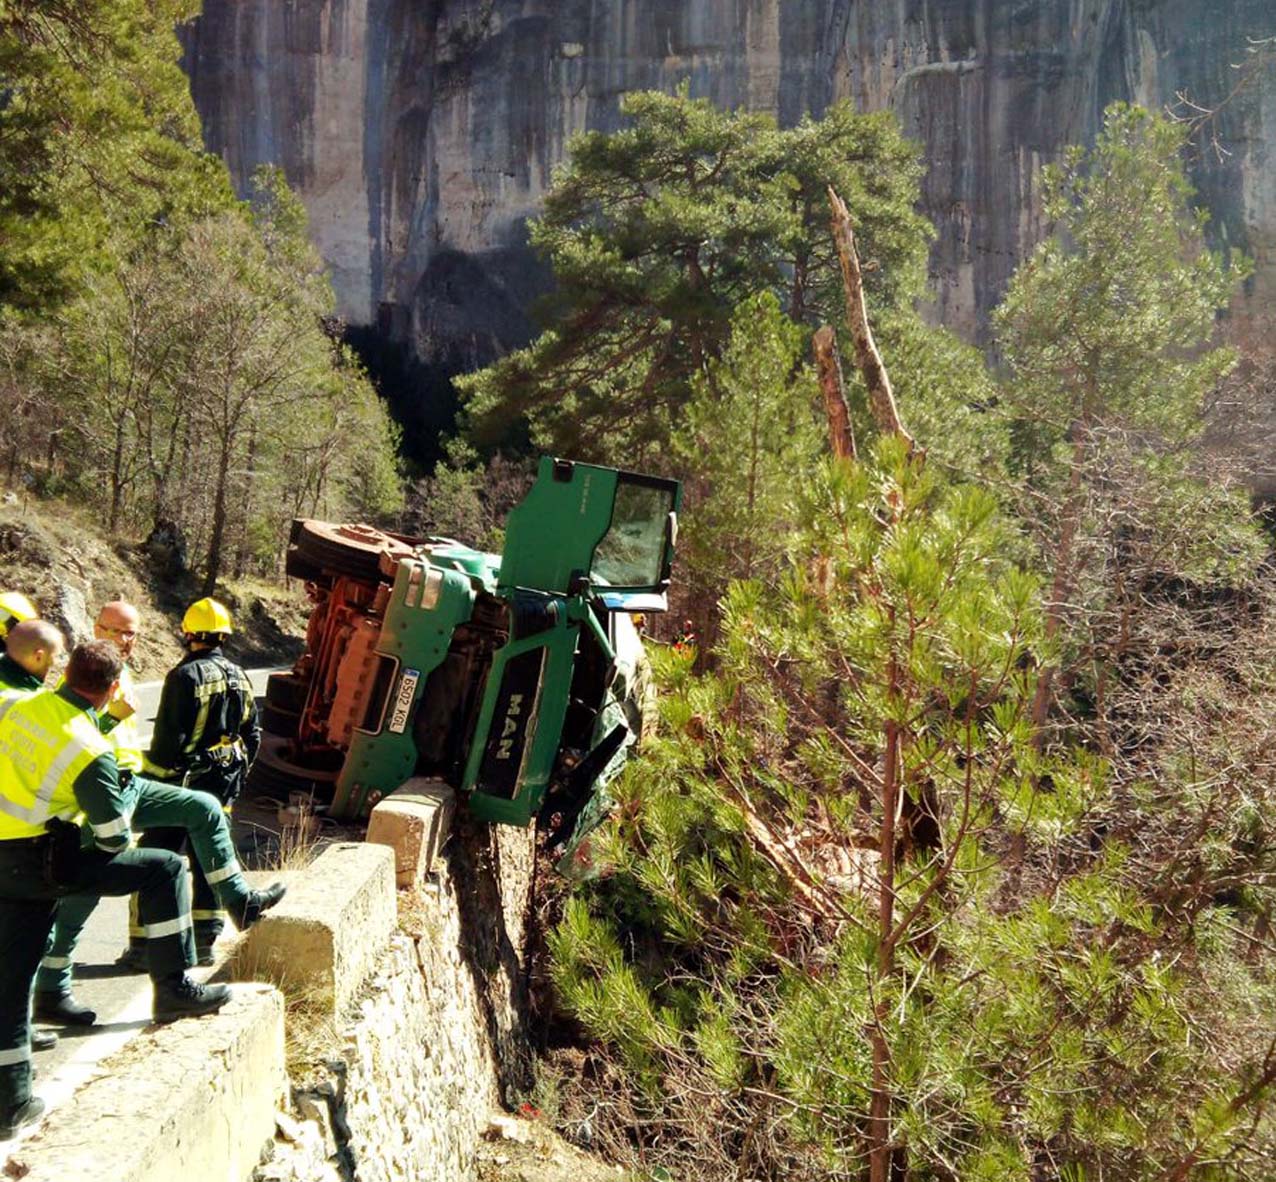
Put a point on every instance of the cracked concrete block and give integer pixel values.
(192, 1100)
(414, 821)
(322, 941)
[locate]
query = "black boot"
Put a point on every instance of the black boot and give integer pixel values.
(63, 1008)
(133, 958)
(43, 1040)
(12, 1119)
(177, 996)
(257, 903)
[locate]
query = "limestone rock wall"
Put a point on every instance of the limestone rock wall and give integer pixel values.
(423, 133)
(435, 1042)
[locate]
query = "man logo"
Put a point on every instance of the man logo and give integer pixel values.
(512, 714)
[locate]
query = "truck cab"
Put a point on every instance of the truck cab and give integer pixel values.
(519, 679)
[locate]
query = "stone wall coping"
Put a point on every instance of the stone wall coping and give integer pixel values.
(321, 942)
(194, 1100)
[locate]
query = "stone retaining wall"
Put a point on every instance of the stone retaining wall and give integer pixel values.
(433, 1040)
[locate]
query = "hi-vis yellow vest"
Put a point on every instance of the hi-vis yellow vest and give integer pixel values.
(45, 743)
(124, 735)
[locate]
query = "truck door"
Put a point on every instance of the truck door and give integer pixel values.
(584, 523)
(581, 528)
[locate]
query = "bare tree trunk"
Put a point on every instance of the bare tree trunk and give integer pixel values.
(1060, 584)
(881, 398)
(880, 1149)
(250, 486)
(828, 364)
(213, 565)
(117, 474)
(797, 292)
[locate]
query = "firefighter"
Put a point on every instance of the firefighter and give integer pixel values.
(152, 805)
(14, 608)
(206, 735)
(55, 763)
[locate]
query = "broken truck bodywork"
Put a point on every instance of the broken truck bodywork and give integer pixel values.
(518, 680)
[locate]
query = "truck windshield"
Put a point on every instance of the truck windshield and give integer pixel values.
(632, 552)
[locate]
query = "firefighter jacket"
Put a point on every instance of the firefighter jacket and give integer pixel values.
(206, 732)
(55, 762)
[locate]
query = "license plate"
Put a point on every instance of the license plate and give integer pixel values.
(403, 700)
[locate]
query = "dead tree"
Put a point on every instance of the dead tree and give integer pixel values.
(881, 398)
(828, 364)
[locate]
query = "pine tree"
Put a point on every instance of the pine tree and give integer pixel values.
(99, 141)
(656, 233)
(1107, 334)
(749, 437)
(816, 957)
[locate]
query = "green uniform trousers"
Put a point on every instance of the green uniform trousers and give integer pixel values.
(27, 905)
(165, 807)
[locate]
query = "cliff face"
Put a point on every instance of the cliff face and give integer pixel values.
(423, 133)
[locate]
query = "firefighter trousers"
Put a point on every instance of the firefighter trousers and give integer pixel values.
(27, 905)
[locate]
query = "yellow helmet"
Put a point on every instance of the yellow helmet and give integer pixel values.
(14, 608)
(207, 616)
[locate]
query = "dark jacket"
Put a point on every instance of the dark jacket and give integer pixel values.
(14, 677)
(206, 732)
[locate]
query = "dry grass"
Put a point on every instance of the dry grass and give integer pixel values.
(311, 1034)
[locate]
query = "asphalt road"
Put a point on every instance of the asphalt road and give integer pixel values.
(121, 998)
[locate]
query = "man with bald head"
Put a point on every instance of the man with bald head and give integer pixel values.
(32, 648)
(118, 622)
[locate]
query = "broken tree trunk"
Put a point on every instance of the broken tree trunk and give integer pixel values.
(828, 364)
(881, 398)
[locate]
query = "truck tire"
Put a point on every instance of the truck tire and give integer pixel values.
(275, 771)
(286, 691)
(265, 780)
(334, 550)
(276, 720)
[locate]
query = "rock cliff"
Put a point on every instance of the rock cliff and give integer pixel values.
(422, 134)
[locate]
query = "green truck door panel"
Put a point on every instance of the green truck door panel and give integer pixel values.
(425, 608)
(520, 725)
(579, 519)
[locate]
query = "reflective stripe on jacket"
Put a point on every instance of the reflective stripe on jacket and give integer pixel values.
(206, 714)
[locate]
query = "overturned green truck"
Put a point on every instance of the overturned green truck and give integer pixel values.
(519, 680)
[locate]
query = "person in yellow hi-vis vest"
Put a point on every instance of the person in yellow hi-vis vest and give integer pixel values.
(54, 765)
(196, 814)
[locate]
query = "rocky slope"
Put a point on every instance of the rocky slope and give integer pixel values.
(423, 133)
(60, 557)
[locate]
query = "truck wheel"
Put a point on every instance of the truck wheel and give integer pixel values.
(351, 550)
(322, 766)
(274, 769)
(286, 691)
(284, 723)
(297, 567)
(268, 781)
